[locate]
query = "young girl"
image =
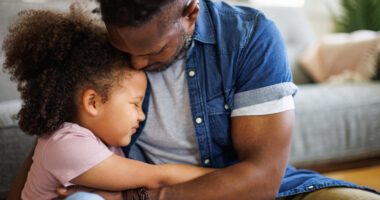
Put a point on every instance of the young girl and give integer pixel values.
(83, 102)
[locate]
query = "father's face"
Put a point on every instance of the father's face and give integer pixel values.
(150, 46)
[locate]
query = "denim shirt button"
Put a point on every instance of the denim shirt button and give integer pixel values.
(191, 73)
(206, 162)
(226, 107)
(198, 120)
(310, 187)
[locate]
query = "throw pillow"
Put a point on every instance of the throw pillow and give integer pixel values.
(343, 57)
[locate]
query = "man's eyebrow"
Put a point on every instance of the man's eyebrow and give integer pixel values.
(157, 52)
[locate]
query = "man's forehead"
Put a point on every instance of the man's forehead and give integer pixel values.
(142, 40)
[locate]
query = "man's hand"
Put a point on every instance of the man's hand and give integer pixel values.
(133, 194)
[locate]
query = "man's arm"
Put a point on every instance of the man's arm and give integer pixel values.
(18, 184)
(263, 145)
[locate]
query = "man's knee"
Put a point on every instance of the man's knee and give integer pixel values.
(338, 194)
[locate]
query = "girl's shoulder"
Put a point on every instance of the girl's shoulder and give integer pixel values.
(69, 129)
(70, 151)
(69, 136)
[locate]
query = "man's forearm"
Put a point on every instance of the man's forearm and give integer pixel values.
(263, 145)
(241, 181)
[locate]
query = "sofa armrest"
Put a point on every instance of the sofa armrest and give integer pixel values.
(8, 113)
(14, 144)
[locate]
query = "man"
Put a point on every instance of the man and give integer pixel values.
(220, 96)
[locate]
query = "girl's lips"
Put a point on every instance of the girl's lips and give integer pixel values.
(134, 129)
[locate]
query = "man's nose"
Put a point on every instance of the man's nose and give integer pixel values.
(139, 62)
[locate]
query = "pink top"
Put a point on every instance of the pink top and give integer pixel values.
(59, 158)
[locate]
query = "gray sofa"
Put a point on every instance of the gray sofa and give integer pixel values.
(334, 123)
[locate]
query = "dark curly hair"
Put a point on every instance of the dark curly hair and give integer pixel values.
(136, 12)
(54, 56)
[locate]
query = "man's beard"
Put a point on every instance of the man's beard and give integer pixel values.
(180, 53)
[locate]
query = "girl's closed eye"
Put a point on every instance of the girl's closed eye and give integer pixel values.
(136, 104)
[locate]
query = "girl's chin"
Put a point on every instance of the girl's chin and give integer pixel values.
(125, 142)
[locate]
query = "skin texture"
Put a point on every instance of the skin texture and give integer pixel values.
(262, 142)
(117, 119)
(114, 122)
(263, 145)
(151, 48)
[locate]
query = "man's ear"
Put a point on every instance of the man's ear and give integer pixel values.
(191, 11)
(91, 102)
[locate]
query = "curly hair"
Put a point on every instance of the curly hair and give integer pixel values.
(136, 12)
(54, 56)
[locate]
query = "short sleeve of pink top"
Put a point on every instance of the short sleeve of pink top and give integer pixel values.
(69, 152)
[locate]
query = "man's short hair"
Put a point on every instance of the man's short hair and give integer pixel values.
(135, 12)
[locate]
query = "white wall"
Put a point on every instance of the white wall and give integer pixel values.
(318, 11)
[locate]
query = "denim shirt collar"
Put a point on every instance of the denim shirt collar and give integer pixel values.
(204, 27)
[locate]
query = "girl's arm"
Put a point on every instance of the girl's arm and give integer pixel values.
(118, 173)
(179, 173)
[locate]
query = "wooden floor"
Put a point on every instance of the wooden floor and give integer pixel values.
(367, 176)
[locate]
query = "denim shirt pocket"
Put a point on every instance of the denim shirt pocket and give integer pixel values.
(218, 114)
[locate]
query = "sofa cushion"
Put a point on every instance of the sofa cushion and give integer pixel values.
(14, 144)
(343, 57)
(8, 113)
(336, 123)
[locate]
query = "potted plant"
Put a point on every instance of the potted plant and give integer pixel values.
(358, 15)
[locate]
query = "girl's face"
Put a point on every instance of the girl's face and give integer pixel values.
(120, 115)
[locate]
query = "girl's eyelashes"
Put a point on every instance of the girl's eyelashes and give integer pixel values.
(137, 104)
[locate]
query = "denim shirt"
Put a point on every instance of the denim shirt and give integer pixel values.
(237, 59)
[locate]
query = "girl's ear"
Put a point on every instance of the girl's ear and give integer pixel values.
(91, 102)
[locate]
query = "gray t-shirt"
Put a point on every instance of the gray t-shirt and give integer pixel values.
(169, 134)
